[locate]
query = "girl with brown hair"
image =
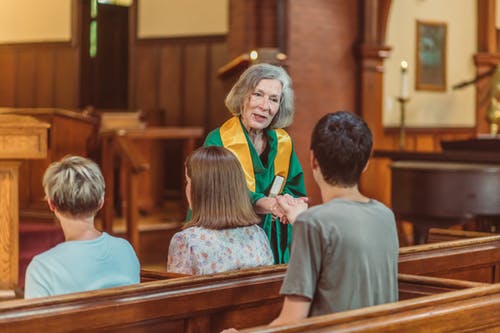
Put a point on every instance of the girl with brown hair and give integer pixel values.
(223, 233)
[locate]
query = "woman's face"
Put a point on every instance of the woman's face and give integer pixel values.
(261, 105)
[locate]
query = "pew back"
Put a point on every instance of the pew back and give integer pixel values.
(475, 259)
(190, 304)
(437, 235)
(472, 310)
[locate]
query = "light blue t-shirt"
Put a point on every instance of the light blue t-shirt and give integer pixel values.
(82, 265)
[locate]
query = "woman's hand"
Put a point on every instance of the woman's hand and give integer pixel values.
(292, 207)
(268, 205)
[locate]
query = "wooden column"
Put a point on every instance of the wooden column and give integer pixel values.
(9, 230)
(486, 58)
(484, 63)
(372, 53)
(21, 137)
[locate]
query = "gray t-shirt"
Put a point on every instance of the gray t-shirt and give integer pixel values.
(344, 256)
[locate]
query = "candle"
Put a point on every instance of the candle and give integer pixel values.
(404, 80)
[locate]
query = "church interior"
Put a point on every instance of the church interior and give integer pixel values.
(136, 85)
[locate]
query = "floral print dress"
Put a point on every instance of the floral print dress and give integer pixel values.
(199, 251)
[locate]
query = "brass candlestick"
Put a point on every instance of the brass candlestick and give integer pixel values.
(402, 127)
(493, 116)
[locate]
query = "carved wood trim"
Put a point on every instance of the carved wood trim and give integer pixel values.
(486, 29)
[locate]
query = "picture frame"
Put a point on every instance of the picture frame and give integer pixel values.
(431, 56)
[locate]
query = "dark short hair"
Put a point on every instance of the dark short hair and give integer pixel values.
(342, 144)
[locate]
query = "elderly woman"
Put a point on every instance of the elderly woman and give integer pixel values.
(261, 102)
(88, 259)
(223, 234)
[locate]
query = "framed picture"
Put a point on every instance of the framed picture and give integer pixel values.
(431, 56)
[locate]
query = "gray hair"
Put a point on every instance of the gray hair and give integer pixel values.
(75, 186)
(235, 99)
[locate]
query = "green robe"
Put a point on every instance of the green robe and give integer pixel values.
(264, 176)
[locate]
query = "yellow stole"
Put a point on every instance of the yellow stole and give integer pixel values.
(233, 138)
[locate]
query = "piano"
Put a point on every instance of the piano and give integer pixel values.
(459, 185)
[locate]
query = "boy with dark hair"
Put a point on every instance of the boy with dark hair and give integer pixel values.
(344, 251)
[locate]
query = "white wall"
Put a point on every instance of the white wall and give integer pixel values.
(35, 20)
(174, 18)
(450, 108)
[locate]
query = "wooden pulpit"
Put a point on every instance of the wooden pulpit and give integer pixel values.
(21, 137)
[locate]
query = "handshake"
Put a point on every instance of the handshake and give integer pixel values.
(287, 208)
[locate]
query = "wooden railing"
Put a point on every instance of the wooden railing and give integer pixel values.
(120, 144)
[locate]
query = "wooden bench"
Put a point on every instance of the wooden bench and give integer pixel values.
(475, 259)
(148, 275)
(472, 310)
(194, 304)
(471, 259)
(207, 303)
(437, 235)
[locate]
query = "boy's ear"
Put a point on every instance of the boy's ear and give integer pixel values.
(101, 203)
(366, 166)
(313, 161)
(52, 207)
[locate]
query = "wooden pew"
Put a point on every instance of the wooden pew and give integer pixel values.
(475, 259)
(437, 235)
(205, 303)
(192, 304)
(148, 275)
(471, 310)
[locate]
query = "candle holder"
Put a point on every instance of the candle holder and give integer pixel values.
(402, 126)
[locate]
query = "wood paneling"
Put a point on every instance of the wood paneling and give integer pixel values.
(196, 84)
(25, 84)
(169, 88)
(147, 70)
(44, 78)
(39, 75)
(218, 89)
(178, 77)
(8, 61)
(66, 83)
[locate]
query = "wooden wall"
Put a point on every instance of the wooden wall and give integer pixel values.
(178, 77)
(39, 75)
(174, 81)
